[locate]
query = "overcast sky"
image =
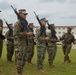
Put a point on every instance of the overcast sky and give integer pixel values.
(59, 12)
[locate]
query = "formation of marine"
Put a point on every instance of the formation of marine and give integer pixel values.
(22, 39)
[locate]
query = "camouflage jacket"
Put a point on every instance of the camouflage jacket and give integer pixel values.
(1, 25)
(41, 42)
(68, 38)
(10, 38)
(51, 41)
(20, 37)
(30, 39)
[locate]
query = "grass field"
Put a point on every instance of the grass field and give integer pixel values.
(7, 68)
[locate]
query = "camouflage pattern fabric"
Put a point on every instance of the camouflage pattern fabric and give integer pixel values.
(66, 50)
(20, 45)
(41, 49)
(1, 41)
(30, 48)
(10, 45)
(68, 39)
(40, 56)
(51, 49)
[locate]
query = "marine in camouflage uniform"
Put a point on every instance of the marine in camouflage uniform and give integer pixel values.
(67, 39)
(10, 43)
(20, 42)
(41, 46)
(1, 41)
(30, 47)
(51, 47)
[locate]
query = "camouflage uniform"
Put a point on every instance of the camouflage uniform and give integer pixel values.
(51, 44)
(1, 41)
(20, 45)
(51, 49)
(10, 45)
(41, 48)
(68, 39)
(30, 44)
(30, 48)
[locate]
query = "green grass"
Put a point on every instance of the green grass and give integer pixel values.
(7, 68)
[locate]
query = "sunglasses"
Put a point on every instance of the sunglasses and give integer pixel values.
(24, 14)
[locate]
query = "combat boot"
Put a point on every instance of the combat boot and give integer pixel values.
(41, 70)
(68, 61)
(10, 61)
(20, 74)
(51, 66)
(30, 63)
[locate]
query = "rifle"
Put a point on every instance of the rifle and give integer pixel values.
(23, 21)
(53, 32)
(10, 29)
(43, 29)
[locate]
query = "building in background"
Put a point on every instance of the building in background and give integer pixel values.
(63, 29)
(59, 29)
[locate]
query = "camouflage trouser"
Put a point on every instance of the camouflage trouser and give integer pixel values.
(66, 51)
(51, 53)
(30, 52)
(40, 56)
(20, 57)
(1, 46)
(10, 51)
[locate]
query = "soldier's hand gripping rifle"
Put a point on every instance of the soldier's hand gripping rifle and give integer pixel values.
(23, 21)
(53, 32)
(10, 29)
(43, 29)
